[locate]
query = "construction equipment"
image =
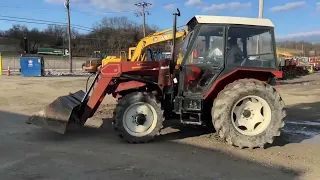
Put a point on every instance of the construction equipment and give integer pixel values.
(309, 67)
(91, 65)
(216, 85)
(284, 55)
(139, 53)
(316, 62)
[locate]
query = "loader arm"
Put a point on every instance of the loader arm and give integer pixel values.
(117, 77)
(158, 37)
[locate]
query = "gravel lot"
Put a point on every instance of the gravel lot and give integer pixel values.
(181, 152)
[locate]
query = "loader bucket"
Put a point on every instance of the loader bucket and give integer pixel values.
(59, 113)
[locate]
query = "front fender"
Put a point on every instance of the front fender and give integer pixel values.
(129, 85)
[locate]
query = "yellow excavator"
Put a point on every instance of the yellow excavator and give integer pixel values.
(285, 55)
(93, 62)
(139, 53)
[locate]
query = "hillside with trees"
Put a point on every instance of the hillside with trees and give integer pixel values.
(110, 35)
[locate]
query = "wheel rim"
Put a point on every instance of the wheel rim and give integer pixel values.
(140, 119)
(251, 115)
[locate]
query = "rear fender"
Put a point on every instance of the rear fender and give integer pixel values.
(223, 80)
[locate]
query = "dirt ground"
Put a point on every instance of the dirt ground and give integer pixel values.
(181, 152)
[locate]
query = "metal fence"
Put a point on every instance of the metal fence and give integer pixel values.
(50, 64)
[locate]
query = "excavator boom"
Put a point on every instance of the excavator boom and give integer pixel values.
(138, 53)
(158, 37)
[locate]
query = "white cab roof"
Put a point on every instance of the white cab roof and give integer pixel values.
(203, 19)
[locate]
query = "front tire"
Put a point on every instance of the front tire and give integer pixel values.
(248, 113)
(138, 117)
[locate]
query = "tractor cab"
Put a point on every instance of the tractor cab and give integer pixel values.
(217, 46)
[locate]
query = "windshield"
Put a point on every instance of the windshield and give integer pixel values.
(251, 47)
(206, 46)
(186, 43)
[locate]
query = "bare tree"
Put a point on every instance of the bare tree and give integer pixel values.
(110, 35)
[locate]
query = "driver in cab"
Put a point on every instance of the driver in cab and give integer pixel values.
(234, 54)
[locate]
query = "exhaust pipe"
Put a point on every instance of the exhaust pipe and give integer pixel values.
(173, 48)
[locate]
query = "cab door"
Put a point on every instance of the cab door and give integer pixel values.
(203, 61)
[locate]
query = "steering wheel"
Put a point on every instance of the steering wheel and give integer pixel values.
(202, 61)
(211, 61)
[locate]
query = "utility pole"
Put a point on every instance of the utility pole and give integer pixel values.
(67, 5)
(143, 13)
(261, 6)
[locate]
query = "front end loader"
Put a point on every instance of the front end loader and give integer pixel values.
(223, 82)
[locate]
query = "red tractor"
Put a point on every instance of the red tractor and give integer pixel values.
(223, 82)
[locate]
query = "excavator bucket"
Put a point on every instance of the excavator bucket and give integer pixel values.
(59, 113)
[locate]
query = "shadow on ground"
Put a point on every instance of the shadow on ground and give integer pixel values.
(97, 153)
(302, 123)
(297, 82)
(304, 111)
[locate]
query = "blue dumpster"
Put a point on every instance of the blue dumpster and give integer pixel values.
(32, 66)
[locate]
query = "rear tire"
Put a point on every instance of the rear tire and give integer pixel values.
(138, 117)
(254, 123)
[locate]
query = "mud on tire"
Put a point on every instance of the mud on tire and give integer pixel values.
(222, 112)
(119, 123)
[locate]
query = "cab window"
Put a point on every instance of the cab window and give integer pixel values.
(208, 46)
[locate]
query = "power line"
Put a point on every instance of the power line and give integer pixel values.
(101, 13)
(42, 23)
(90, 30)
(79, 27)
(64, 25)
(117, 12)
(76, 11)
(22, 7)
(46, 21)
